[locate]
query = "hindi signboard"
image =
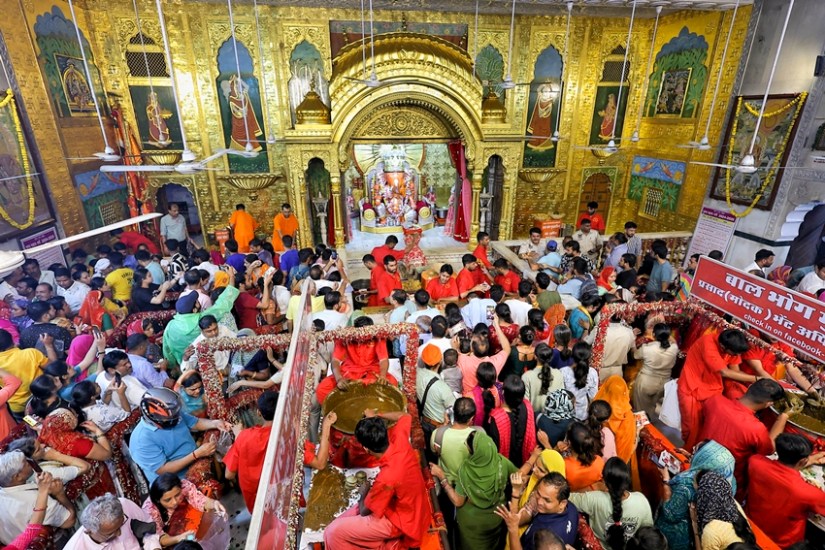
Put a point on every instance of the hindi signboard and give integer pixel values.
(46, 257)
(714, 230)
(789, 316)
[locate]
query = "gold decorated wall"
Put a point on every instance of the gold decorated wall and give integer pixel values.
(431, 76)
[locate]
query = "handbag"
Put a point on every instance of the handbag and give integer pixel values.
(669, 413)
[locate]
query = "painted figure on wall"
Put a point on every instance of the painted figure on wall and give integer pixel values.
(77, 89)
(543, 105)
(541, 121)
(245, 127)
(679, 76)
(241, 107)
(156, 116)
(60, 56)
(306, 69)
(608, 115)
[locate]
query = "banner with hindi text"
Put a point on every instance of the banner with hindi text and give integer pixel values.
(789, 316)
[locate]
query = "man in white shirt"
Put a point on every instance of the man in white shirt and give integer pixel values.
(210, 330)
(73, 291)
(519, 307)
(762, 261)
(589, 240)
(534, 248)
(116, 365)
(18, 496)
(422, 305)
(478, 310)
(619, 342)
(32, 268)
(814, 280)
(173, 227)
(331, 316)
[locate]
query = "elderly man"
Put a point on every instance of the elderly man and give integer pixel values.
(18, 495)
(43, 292)
(433, 393)
(162, 441)
(107, 523)
(173, 227)
(210, 330)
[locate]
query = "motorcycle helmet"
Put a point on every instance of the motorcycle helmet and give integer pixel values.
(161, 406)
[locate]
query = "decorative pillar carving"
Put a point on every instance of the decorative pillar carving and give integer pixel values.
(478, 175)
(335, 188)
(303, 213)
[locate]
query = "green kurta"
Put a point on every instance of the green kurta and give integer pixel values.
(183, 328)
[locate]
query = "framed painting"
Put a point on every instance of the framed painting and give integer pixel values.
(606, 113)
(672, 93)
(543, 105)
(77, 89)
(157, 121)
(771, 149)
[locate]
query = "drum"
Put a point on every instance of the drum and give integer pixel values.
(349, 405)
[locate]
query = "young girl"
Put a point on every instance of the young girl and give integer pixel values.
(581, 380)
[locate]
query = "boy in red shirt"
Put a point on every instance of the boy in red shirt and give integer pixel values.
(393, 513)
(779, 499)
(472, 278)
(376, 270)
(506, 277)
(710, 358)
(388, 281)
(481, 250)
(366, 362)
(444, 288)
(734, 424)
(596, 220)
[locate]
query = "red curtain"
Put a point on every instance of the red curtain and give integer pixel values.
(463, 195)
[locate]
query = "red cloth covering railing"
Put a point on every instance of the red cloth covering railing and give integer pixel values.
(117, 339)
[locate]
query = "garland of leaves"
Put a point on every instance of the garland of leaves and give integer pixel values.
(774, 166)
(9, 101)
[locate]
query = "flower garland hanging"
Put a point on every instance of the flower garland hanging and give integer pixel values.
(774, 166)
(9, 102)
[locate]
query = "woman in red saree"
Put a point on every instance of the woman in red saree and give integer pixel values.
(60, 433)
(180, 511)
(512, 426)
(94, 314)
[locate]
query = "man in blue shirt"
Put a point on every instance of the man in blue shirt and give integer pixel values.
(162, 443)
(289, 258)
(235, 258)
(662, 275)
(550, 263)
(548, 508)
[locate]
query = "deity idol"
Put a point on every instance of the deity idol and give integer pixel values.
(394, 186)
(155, 114)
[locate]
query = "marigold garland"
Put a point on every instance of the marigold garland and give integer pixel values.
(9, 102)
(774, 166)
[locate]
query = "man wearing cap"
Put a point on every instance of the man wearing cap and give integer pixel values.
(550, 263)
(433, 393)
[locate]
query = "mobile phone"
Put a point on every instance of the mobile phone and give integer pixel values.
(117, 378)
(334, 255)
(491, 311)
(31, 421)
(35, 466)
(96, 332)
(654, 458)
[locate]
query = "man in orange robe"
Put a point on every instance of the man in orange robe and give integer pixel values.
(714, 356)
(243, 227)
(283, 224)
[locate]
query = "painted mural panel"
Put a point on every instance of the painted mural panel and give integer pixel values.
(22, 201)
(611, 99)
(240, 104)
(664, 175)
(306, 71)
(157, 120)
(679, 77)
(542, 109)
(490, 68)
(60, 57)
(771, 149)
(103, 196)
